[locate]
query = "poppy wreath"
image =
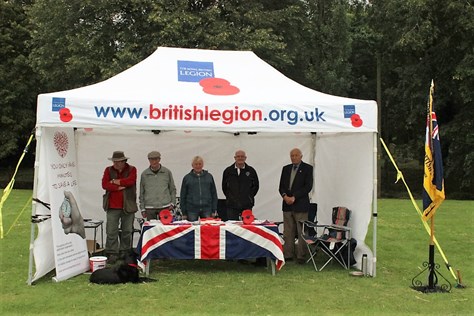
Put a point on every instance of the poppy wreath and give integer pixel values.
(166, 217)
(247, 217)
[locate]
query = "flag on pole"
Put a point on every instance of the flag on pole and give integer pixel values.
(433, 182)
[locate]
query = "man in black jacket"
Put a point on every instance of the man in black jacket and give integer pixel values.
(240, 185)
(296, 182)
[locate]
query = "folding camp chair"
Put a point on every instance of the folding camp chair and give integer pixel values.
(312, 218)
(334, 239)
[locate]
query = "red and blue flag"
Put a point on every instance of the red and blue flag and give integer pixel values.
(433, 182)
(211, 242)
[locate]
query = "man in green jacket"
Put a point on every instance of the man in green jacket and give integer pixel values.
(157, 188)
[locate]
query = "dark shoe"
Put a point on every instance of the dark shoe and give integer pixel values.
(288, 259)
(301, 261)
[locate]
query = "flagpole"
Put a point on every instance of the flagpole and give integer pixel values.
(432, 273)
(433, 195)
(431, 277)
(420, 213)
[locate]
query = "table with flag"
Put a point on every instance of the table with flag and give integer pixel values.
(210, 242)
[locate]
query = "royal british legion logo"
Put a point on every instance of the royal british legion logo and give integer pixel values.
(194, 71)
(58, 104)
(349, 110)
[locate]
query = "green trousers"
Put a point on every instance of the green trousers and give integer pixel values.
(119, 229)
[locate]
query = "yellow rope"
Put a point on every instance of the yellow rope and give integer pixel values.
(28, 203)
(9, 186)
(425, 224)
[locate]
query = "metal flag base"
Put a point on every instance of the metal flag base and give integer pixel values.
(432, 268)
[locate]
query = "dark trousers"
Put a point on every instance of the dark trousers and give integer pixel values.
(233, 214)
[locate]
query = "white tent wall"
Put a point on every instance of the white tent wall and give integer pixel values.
(344, 177)
(42, 246)
(344, 167)
(266, 152)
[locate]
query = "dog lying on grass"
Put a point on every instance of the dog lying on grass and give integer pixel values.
(126, 272)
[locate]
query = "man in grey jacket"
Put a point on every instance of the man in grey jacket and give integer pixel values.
(157, 188)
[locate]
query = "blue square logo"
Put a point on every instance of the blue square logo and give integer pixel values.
(349, 110)
(58, 104)
(194, 71)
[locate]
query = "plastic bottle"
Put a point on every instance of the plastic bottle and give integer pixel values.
(364, 264)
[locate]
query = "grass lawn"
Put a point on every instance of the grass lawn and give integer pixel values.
(229, 288)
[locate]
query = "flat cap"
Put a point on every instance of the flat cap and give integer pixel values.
(154, 154)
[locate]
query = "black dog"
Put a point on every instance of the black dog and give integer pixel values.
(126, 272)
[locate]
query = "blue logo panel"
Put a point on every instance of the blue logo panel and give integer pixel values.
(194, 71)
(349, 110)
(58, 104)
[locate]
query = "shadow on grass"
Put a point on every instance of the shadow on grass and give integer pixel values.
(204, 266)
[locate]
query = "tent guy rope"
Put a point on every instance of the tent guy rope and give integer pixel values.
(425, 224)
(9, 186)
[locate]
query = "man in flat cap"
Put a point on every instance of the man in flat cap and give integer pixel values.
(120, 203)
(157, 188)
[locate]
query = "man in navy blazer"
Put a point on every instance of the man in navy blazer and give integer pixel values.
(296, 182)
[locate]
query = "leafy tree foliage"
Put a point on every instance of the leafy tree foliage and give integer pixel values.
(325, 47)
(335, 47)
(17, 80)
(420, 41)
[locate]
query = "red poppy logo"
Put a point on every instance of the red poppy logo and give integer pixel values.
(356, 120)
(218, 86)
(65, 115)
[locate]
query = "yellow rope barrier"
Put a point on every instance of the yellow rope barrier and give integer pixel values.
(9, 187)
(425, 224)
(28, 203)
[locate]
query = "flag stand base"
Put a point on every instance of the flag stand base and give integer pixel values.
(432, 268)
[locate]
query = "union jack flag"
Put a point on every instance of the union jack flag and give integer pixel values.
(211, 242)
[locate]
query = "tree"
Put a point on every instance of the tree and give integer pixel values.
(421, 40)
(18, 83)
(330, 46)
(325, 47)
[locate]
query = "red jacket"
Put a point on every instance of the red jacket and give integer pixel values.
(116, 195)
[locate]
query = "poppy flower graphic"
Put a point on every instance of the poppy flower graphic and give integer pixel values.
(218, 86)
(356, 120)
(65, 115)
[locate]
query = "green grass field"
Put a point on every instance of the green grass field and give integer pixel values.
(229, 288)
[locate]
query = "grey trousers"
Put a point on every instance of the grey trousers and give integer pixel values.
(118, 244)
